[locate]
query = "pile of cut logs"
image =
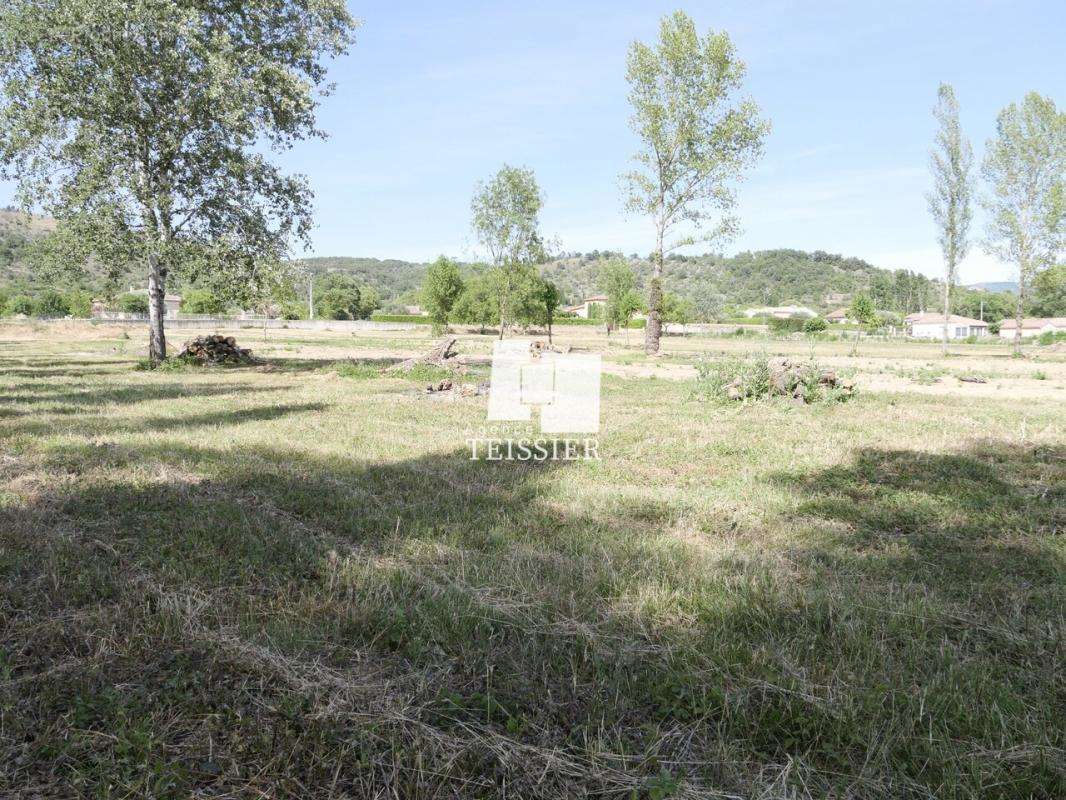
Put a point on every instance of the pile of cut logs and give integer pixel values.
(215, 349)
(795, 379)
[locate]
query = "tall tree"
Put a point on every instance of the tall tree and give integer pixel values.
(1049, 292)
(618, 281)
(1024, 166)
(147, 122)
(539, 301)
(862, 310)
(479, 304)
(440, 290)
(696, 140)
(506, 221)
(949, 202)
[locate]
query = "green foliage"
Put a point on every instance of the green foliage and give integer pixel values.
(359, 370)
(619, 284)
(479, 304)
(949, 202)
(505, 217)
(202, 301)
(133, 303)
(393, 279)
(80, 303)
(540, 300)
(340, 303)
(292, 309)
(19, 304)
(369, 301)
(793, 324)
(1049, 292)
(769, 277)
(750, 376)
(1025, 168)
(750, 373)
(337, 296)
(815, 325)
(696, 139)
(52, 304)
(1051, 337)
(675, 308)
(441, 289)
(144, 126)
(415, 318)
(862, 310)
(993, 306)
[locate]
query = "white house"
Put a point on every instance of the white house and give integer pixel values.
(584, 308)
(1032, 326)
(839, 316)
(930, 325)
(781, 312)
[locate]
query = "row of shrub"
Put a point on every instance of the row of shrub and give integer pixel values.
(417, 319)
(423, 320)
(49, 303)
(633, 323)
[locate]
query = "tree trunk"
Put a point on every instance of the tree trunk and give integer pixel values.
(653, 330)
(505, 301)
(157, 343)
(947, 312)
(1019, 308)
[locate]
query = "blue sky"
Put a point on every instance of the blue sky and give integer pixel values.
(435, 96)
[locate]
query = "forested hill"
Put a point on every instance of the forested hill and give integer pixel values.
(17, 230)
(768, 277)
(394, 279)
(713, 284)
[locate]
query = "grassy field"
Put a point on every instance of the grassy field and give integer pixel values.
(291, 580)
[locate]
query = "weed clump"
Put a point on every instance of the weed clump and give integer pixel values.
(757, 377)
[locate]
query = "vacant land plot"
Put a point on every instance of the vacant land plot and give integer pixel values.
(291, 580)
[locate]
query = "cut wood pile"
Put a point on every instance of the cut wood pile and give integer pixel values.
(442, 355)
(800, 381)
(448, 388)
(215, 349)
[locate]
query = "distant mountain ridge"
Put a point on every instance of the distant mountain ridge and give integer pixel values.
(769, 277)
(995, 286)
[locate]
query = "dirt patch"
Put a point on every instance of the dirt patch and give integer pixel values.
(676, 372)
(1002, 389)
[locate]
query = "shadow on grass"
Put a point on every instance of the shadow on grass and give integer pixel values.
(282, 364)
(951, 522)
(131, 394)
(906, 649)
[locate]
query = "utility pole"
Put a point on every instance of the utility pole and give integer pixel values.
(982, 309)
(310, 296)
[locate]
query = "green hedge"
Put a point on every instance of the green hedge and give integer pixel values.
(418, 319)
(633, 323)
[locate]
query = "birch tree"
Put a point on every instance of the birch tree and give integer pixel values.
(696, 139)
(1024, 167)
(950, 162)
(147, 121)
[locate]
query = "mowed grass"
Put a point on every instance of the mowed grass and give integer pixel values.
(294, 582)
